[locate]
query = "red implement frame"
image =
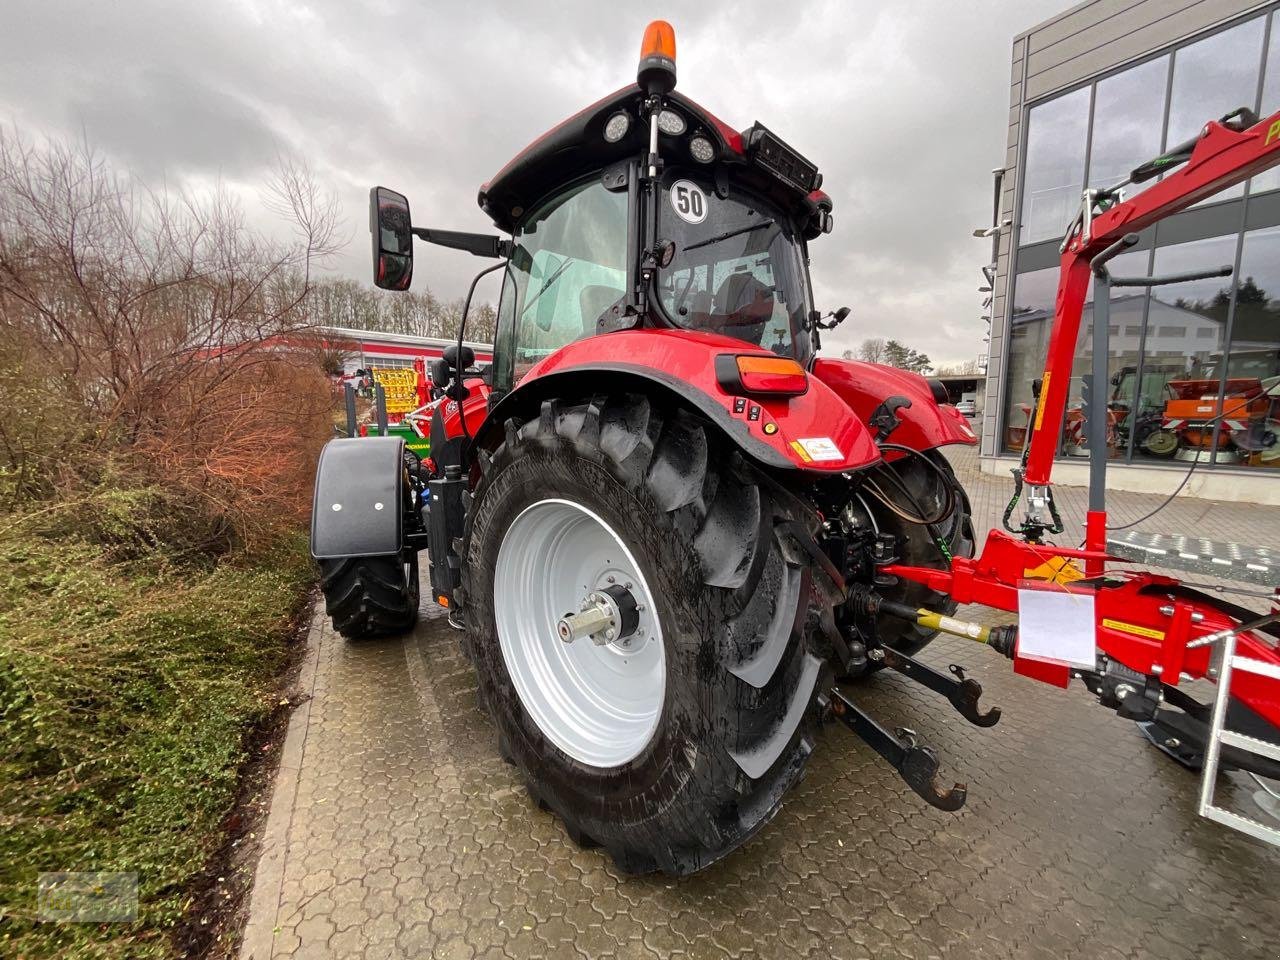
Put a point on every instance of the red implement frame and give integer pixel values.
(1142, 620)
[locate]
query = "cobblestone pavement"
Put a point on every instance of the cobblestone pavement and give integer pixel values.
(396, 831)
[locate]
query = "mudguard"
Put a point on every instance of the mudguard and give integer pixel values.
(359, 500)
(925, 424)
(815, 431)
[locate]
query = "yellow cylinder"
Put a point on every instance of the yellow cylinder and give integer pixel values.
(957, 628)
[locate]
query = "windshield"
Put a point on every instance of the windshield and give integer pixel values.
(568, 267)
(737, 269)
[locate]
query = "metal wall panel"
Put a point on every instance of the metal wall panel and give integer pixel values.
(1098, 53)
(1083, 19)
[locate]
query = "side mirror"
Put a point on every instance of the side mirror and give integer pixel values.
(392, 232)
(837, 318)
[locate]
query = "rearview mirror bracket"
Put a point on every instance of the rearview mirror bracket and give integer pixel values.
(479, 244)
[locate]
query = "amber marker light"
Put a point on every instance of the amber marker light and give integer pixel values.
(659, 41)
(777, 375)
(657, 73)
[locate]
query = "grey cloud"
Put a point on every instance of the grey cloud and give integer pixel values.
(902, 104)
(162, 123)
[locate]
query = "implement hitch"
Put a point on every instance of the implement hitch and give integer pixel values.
(917, 765)
(962, 691)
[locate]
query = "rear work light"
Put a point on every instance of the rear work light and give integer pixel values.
(767, 150)
(776, 376)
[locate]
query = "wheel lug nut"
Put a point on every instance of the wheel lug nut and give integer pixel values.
(611, 579)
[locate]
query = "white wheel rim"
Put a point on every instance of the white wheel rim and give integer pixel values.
(599, 703)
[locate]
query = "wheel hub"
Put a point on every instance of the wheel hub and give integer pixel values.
(610, 615)
(579, 634)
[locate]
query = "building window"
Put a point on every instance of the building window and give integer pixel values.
(1128, 119)
(1178, 373)
(1033, 298)
(1212, 77)
(1251, 434)
(1057, 132)
(1269, 179)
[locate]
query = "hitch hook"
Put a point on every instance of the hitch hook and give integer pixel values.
(917, 765)
(962, 692)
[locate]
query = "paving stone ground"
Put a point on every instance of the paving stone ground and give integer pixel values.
(396, 831)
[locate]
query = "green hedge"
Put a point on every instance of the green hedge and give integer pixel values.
(127, 688)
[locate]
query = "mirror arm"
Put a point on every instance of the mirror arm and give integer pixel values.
(480, 244)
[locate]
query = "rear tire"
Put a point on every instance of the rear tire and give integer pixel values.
(370, 596)
(733, 597)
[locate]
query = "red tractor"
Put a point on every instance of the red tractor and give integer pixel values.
(663, 521)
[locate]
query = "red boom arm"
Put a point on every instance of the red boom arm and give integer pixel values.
(1142, 620)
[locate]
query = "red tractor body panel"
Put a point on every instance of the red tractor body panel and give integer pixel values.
(476, 407)
(814, 431)
(864, 386)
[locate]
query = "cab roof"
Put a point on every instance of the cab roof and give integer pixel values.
(577, 148)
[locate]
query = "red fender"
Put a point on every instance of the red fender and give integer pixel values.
(814, 431)
(475, 406)
(864, 386)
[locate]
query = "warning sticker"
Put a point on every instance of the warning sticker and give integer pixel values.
(1134, 629)
(817, 449)
(1044, 392)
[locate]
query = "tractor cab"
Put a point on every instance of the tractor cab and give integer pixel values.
(646, 211)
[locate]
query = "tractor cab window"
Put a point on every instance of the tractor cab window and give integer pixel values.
(738, 268)
(568, 267)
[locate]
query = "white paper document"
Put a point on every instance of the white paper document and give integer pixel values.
(1057, 625)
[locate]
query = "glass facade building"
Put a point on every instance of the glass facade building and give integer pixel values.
(1194, 367)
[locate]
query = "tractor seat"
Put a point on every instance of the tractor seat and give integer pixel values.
(743, 306)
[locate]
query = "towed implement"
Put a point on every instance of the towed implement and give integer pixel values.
(667, 525)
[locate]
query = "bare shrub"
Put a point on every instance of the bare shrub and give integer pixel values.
(159, 325)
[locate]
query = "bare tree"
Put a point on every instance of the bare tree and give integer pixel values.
(969, 368)
(872, 350)
(157, 313)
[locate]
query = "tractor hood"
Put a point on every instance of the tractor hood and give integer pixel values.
(582, 146)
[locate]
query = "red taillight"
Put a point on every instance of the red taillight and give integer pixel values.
(777, 375)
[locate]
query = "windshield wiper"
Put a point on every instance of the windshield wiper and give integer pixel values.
(730, 233)
(546, 284)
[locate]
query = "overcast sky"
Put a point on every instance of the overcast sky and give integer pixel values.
(903, 105)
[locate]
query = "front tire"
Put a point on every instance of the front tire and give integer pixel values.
(371, 596)
(673, 764)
